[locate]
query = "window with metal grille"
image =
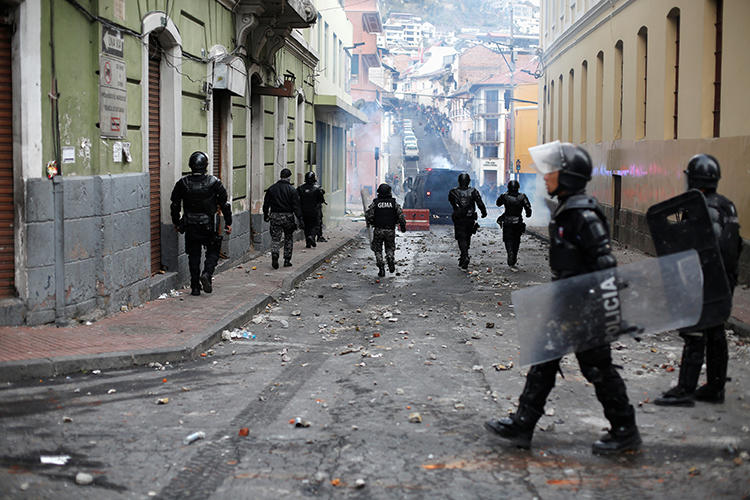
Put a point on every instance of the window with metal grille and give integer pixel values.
(571, 102)
(599, 117)
(642, 86)
(673, 45)
(584, 100)
(719, 4)
(618, 90)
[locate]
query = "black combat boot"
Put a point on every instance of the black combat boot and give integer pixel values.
(518, 428)
(275, 260)
(709, 394)
(391, 267)
(618, 440)
(287, 263)
(321, 239)
(381, 270)
(308, 242)
(717, 358)
(690, 370)
(676, 396)
(195, 286)
(205, 280)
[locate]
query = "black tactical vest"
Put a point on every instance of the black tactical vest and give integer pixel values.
(727, 231)
(308, 197)
(514, 207)
(385, 213)
(566, 258)
(466, 204)
(200, 199)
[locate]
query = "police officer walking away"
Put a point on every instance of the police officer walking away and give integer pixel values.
(282, 201)
(311, 198)
(579, 243)
(512, 221)
(383, 214)
(703, 173)
(199, 195)
(464, 200)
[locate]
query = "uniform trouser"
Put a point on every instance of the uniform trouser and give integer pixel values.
(512, 239)
(596, 366)
(319, 234)
(463, 228)
(384, 237)
(312, 224)
(195, 240)
(713, 342)
(282, 224)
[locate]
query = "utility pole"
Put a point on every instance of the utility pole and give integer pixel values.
(509, 162)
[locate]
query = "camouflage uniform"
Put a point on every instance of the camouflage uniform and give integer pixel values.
(382, 236)
(383, 214)
(282, 224)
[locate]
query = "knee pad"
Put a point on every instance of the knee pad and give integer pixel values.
(592, 373)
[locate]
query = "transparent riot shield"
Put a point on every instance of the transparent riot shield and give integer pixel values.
(681, 223)
(365, 196)
(590, 310)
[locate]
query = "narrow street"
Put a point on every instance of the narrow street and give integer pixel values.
(395, 378)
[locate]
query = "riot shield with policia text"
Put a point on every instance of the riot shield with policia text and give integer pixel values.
(681, 223)
(590, 310)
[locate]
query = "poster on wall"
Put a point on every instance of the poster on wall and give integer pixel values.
(113, 94)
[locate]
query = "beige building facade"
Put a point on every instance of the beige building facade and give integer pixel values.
(643, 85)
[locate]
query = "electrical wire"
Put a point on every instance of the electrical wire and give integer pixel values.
(141, 37)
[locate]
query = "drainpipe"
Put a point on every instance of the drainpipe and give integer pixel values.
(58, 191)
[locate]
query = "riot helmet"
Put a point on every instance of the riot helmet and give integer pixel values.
(573, 162)
(463, 180)
(703, 172)
(198, 162)
(285, 173)
(384, 191)
(310, 177)
(513, 187)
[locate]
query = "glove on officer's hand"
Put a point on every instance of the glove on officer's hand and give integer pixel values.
(484, 214)
(266, 218)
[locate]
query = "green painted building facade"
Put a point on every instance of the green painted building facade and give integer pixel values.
(116, 95)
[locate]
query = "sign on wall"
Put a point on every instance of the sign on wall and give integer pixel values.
(493, 165)
(113, 94)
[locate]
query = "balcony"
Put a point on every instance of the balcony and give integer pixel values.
(487, 108)
(489, 137)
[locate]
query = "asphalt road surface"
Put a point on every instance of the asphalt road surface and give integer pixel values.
(395, 378)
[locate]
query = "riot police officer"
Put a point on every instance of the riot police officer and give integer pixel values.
(465, 200)
(280, 207)
(579, 243)
(311, 198)
(511, 221)
(383, 214)
(703, 173)
(198, 195)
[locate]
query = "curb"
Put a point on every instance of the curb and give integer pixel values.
(15, 371)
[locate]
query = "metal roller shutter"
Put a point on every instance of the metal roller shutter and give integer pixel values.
(154, 151)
